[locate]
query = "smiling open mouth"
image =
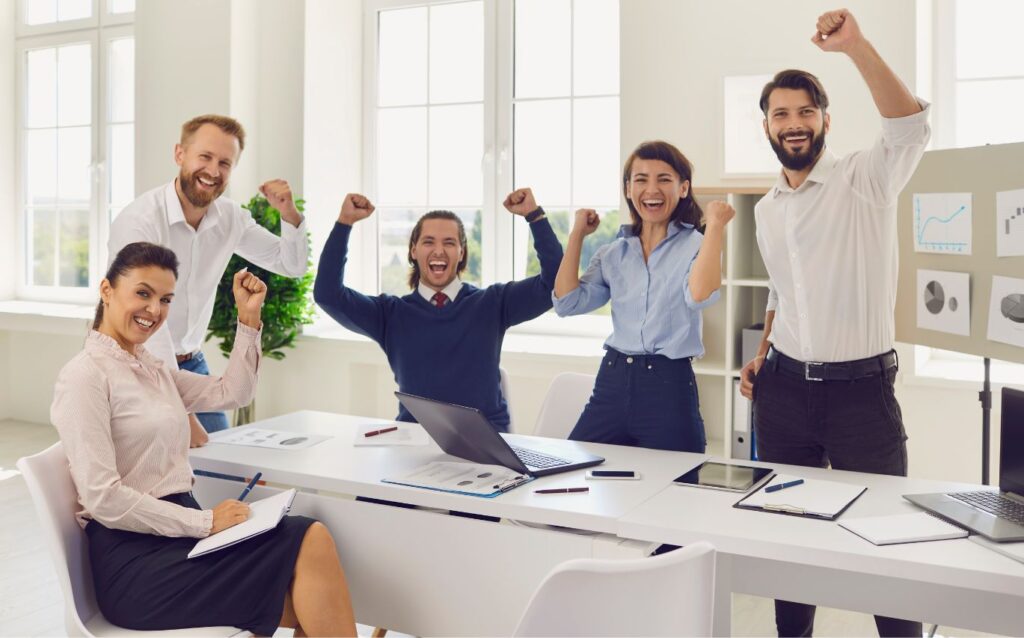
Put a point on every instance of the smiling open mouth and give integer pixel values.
(437, 266)
(147, 324)
(653, 205)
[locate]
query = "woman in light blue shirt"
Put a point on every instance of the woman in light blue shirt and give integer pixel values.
(658, 274)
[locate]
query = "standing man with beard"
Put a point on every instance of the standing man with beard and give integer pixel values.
(822, 383)
(189, 216)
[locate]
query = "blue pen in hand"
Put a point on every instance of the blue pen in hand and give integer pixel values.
(248, 488)
(782, 486)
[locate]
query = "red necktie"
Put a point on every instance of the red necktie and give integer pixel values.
(440, 299)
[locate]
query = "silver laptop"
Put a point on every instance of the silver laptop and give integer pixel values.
(466, 433)
(998, 516)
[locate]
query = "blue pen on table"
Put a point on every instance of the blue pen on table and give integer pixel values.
(782, 486)
(249, 487)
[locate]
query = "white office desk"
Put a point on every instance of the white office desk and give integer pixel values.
(426, 573)
(953, 582)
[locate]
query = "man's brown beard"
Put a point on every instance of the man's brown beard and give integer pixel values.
(196, 197)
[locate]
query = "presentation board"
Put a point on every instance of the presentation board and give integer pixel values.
(961, 210)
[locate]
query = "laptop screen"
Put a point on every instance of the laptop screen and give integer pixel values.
(1011, 442)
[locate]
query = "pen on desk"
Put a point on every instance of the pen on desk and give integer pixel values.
(562, 490)
(782, 486)
(249, 487)
(381, 431)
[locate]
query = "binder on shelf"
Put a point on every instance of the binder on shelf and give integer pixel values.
(814, 498)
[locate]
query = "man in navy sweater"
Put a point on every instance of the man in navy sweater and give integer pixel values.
(443, 340)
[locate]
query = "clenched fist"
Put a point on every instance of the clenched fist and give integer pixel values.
(249, 292)
(279, 194)
(837, 31)
(586, 222)
(355, 208)
(719, 213)
(520, 202)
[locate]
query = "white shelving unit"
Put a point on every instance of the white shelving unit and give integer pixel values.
(744, 295)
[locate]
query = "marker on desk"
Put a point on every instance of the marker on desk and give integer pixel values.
(248, 488)
(381, 431)
(782, 486)
(562, 490)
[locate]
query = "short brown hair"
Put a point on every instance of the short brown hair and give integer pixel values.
(414, 268)
(687, 211)
(229, 125)
(797, 80)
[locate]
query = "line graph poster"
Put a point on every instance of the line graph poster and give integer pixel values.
(1010, 223)
(942, 223)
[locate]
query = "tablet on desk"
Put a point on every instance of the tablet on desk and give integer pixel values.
(725, 476)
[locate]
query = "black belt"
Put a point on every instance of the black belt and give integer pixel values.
(838, 371)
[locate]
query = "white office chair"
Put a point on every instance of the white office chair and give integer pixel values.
(563, 404)
(53, 492)
(668, 595)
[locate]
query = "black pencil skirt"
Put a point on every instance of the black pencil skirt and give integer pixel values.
(147, 582)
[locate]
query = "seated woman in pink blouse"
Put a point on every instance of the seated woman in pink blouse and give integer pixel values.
(121, 414)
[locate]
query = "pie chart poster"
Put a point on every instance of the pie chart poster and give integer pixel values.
(944, 301)
(1006, 311)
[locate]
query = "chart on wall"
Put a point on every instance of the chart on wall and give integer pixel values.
(1010, 223)
(1006, 311)
(944, 301)
(942, 223)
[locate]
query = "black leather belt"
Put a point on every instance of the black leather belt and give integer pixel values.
(838, 371)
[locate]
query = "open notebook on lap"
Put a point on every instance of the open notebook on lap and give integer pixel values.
(998, 516)
(466, 433)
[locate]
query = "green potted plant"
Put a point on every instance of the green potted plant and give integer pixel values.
(288, 305)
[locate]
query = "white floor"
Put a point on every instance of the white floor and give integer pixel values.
(31, 604)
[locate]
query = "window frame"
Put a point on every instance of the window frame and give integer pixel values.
(97, 31)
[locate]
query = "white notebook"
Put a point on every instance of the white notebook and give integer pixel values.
(263, 516)
(816, 498)
(903, 528)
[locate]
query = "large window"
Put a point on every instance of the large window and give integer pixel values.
(76, 139)
(471, 99)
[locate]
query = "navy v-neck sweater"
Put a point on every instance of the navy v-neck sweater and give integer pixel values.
(451, 353)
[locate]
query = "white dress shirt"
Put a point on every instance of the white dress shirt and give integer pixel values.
(203, 254)
(452, 290)
(830, 247)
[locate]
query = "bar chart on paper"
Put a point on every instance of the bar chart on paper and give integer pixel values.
(1010, 223)
(942, 223)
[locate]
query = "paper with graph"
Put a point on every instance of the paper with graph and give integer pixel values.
(1006, 311)
(1010, 224)
(942, 223)
(944, 301)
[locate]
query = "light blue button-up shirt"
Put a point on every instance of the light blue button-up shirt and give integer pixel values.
(653, 311)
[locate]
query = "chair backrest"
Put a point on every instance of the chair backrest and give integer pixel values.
(667, 595)
(563, 404)
(56, 500)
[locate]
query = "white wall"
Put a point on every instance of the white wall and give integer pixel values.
(5, 377)
(8, 135)
(675, 54)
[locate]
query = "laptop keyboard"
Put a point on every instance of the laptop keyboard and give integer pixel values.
(531, 458)
(993, 503)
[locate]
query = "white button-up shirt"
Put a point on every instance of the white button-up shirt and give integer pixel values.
(452, 290)
(830, 247)
(203, 254)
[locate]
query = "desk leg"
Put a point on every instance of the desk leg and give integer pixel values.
(721, 624)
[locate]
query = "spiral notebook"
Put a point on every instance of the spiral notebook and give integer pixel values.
(815, 498)
(264, 516)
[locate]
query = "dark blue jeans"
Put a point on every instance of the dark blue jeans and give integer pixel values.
(850, 425)
(645, 401)
(212, 421)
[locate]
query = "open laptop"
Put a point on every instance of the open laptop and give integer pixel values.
(998, 516)
(466, 433)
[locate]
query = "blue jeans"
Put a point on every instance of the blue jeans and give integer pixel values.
(645, 401)
(211, 421)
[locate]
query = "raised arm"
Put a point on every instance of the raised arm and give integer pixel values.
(531, 297)
(839, 31)
(706, 273)
(287, 255)
(358, 312)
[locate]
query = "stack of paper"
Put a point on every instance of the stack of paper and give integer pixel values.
(903, 528)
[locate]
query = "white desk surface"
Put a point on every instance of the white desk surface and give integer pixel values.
(682, 515)
(335, 465)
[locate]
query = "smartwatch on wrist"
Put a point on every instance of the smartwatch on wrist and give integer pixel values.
(535, 215)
